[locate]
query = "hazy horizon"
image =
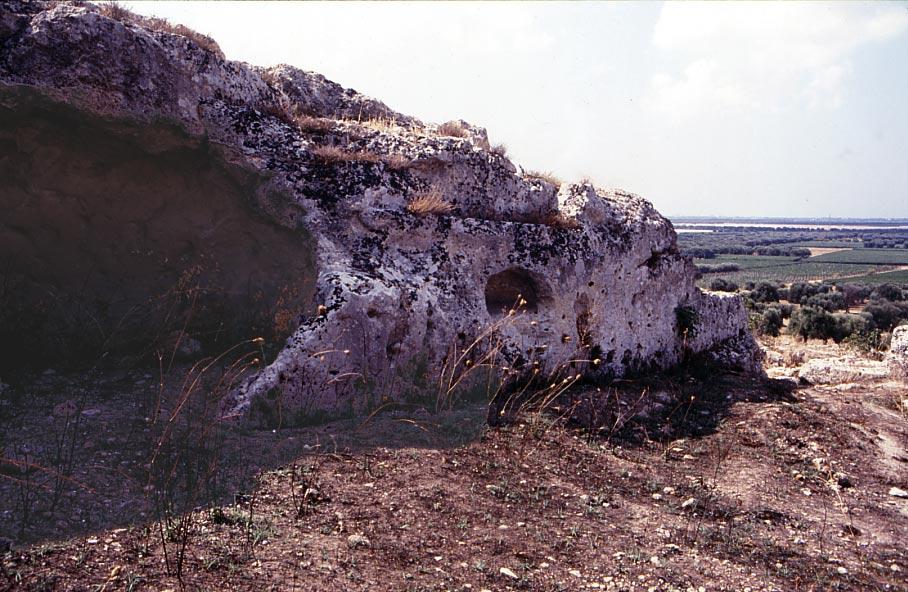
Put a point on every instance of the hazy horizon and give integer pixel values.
(706, 109)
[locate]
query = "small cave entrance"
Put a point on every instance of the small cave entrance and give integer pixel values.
(505, 289)
(116, 233)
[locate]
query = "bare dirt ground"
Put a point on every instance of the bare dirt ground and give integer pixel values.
(817, 251)
(697, 482)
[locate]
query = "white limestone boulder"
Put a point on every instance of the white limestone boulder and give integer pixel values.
(554, 281)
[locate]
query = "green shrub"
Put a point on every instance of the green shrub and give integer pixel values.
(688, 320)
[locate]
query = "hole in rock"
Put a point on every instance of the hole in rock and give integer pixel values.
(115, 234)
(504, 289)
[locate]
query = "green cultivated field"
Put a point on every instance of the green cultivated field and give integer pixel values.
(892, 277)
(872, 256)
(854, 264)
(802, 271)
(748, 261)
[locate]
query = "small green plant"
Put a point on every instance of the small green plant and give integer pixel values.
(688, 320)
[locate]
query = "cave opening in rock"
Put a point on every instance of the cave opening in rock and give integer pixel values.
(505, 289)
(115, 234)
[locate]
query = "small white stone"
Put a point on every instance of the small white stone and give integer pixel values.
(896, 492)
(507, 572)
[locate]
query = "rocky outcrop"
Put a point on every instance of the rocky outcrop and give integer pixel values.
(843, 370)
(898, 353)
(438, 265)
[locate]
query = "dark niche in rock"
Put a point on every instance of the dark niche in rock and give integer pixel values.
(515, 289)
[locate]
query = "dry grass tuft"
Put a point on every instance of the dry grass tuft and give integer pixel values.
(114, 11)
(307, 123)
(119, 13)
(397, 162)
(454, 129)
(338, 154)
(387, 125)
(555, 219)
(270, 78)
(546, 176)
(559, 220)
(277, 111)
(499, 150)
(427, 202)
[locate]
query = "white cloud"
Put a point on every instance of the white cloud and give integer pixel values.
(763, 54)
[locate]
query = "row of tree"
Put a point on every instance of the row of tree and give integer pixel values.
(771, 251)
(811, 311)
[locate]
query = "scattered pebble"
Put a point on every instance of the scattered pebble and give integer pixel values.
(358, 540)
(507, 572)
(896, 492)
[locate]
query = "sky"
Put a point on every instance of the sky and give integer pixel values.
(727, 109)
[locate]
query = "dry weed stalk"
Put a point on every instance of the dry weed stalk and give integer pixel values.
(537, 391)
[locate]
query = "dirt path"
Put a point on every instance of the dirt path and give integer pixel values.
(817, 251)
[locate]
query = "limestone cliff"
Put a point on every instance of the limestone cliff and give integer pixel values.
(403, 250)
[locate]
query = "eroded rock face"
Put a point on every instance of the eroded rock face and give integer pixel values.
(898, 353)
(537, 280)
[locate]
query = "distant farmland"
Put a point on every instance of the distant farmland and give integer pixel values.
(862, 259)
(868, 256)
(756, 269)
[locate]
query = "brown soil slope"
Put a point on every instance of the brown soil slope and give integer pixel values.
(746, 485)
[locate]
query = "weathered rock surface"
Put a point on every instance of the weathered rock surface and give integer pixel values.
(898, 353)
(515, 273)
(844, 369)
